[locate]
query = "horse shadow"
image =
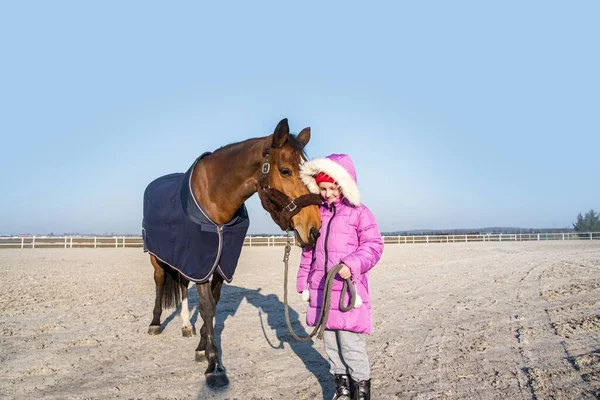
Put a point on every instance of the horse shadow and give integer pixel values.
(269, 306)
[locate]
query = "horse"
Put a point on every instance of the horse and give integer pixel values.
(214, 191)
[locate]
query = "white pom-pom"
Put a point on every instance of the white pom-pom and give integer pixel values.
(305, 295)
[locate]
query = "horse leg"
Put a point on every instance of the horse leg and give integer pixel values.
(159, 281)
(168, 292)
(215, 373)
(215, 287)
(186, 328)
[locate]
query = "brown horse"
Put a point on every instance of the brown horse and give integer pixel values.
(221, 182)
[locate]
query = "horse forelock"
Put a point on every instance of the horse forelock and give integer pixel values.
(292, 151)
(297, 146)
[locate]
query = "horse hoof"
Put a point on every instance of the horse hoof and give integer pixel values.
(154, 330)
(187, 332)
(200, 356)
(217, 379)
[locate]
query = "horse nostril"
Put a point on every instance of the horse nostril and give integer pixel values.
(314, 234)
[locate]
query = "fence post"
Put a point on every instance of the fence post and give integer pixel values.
(538, 237)
(466, 239)
(116, 242)
(590, 235)
(33, 242)
(427, 238)
(250, 244)
(123, 241)
(65, 242)
(95, 238)
(22, 242)
(71, 242)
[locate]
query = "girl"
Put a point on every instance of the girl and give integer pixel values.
(349, 236)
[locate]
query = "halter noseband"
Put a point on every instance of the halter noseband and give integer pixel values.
(277, 203)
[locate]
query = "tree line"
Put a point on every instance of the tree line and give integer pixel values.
(590, 222)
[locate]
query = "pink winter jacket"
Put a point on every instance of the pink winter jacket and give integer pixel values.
(349, 235)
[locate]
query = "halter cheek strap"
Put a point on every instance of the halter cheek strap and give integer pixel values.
(265, 169)
(277, 203)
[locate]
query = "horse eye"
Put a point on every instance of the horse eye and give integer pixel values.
(285, 172)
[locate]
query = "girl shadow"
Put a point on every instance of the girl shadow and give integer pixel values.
(271, 307)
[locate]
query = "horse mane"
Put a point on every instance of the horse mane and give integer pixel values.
(292, 140)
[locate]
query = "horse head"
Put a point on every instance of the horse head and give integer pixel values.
(281, 190)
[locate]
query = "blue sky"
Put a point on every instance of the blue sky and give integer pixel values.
(457, 114)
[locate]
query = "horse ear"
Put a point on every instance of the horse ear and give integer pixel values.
(281, 133)
(304, 136)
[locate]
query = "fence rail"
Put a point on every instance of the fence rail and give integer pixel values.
(70, 242)
(493, 237)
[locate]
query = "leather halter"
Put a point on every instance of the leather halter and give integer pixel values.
(277, 203)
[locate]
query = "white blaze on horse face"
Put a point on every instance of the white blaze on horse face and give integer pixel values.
(185, 314)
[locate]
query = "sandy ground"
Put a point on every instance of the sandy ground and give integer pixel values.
(452, 321)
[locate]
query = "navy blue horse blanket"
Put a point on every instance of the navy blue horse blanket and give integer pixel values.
(177, 231)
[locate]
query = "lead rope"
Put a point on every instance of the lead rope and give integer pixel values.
(324, 316)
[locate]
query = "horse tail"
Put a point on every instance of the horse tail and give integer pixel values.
(170, 294)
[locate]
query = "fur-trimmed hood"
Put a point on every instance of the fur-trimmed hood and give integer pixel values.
(338, 166)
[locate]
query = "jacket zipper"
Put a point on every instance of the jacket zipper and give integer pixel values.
(327, 239)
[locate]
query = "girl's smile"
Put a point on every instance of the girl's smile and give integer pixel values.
(330, 191)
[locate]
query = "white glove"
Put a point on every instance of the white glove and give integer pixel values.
(358, 301)
(305, 295)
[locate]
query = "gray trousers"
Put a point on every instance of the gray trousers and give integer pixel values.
(347, 352)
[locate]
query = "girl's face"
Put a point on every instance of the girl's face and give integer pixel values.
(330, 191)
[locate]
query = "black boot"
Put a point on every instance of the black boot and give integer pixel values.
(342, 387)
(362, 390)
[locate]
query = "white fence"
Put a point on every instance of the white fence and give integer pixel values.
(491, 237)
(70, 242)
